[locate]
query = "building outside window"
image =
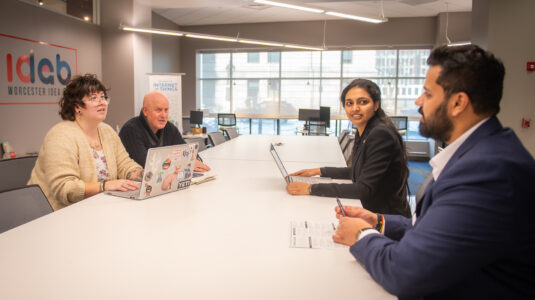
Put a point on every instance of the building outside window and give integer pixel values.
(267, 89)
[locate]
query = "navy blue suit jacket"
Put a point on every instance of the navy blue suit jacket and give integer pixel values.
(473, 237)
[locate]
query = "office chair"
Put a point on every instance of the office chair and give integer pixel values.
(345, 141)
(216, 138)
(401, 124)
(22, 205)
(231, 132)
(227, 120)
(349, 149)
(342, 136)
(15, 172)
(317, 128)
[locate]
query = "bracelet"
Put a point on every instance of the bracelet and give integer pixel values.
(104, 185)
(380, 222)
(100, 187)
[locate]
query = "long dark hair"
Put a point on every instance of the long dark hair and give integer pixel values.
(375, 93)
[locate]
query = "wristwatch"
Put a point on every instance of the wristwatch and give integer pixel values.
(362, 230)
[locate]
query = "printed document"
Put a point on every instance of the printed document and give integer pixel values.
(313, 235)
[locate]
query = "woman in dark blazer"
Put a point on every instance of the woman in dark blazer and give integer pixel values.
(379, 161)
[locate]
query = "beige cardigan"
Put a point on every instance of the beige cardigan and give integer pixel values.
(65, 162)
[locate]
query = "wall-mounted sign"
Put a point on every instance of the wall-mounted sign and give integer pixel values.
(34, 72)
(169, 84)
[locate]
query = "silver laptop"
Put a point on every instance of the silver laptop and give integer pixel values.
(167, 169)
(310, 180)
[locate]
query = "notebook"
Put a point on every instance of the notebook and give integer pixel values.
(167, 169)
(309, 180)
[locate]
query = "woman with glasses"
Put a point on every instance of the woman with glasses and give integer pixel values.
(82, 156)
(379, 161)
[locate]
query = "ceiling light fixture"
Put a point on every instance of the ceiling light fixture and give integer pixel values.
(255, 42)
(210, 37)
(287, 5)
(352, 17)
(321, 11)
(150, 30)
(40, 2)
(449, 43)
(459, 44)
(217, 37)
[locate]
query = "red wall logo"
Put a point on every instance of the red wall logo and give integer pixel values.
(34, 72)
(45, 69)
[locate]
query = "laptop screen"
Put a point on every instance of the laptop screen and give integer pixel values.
(279, 163)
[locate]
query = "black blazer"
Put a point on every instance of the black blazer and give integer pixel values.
(376, 173)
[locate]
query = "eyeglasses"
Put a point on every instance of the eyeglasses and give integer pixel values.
(96, 99)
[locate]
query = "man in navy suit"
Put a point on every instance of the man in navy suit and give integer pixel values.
(471, 236)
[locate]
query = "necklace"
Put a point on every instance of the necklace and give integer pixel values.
(95, 145)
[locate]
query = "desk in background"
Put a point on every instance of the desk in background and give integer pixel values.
(224, 239)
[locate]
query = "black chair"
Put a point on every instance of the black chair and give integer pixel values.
(349, 149)
(226, 120)
(22, 205)
(342, 136)
(401, 123)
(317, 128)
(344, 142)
(231, 132)
(216, 138)
(15, 172)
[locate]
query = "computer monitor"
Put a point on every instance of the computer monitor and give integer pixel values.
(325, 115)
(309, 114)
(195, 117)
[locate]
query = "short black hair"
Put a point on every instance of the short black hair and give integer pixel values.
(472, 70)
(79, 87)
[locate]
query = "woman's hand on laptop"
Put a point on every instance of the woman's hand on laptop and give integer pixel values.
(122, 185)
(200, 166)
(307, 172)
(298, 188)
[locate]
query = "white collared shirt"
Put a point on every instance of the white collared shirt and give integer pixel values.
(439, 161)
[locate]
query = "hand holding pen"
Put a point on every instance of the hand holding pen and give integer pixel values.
(355, 212)
(341, 207)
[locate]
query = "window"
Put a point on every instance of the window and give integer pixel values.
(86, 10)
(253, 57)
(274, 57)
(347, 57)
(276, 84)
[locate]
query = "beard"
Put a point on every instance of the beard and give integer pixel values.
(437, 125)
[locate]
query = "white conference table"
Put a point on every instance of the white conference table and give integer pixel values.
(318, 149)
(223, 239)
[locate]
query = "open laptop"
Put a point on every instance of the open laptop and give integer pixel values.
(167, 169)
(310, 180)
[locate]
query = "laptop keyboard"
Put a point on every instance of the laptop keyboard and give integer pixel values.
(310, 180)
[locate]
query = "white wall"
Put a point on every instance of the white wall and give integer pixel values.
(142, 44)
(165, 49)
(24, 126)
(509, 35)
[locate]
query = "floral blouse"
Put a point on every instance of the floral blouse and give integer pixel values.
(100, 162)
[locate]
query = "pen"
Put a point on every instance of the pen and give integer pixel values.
(341, 208)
